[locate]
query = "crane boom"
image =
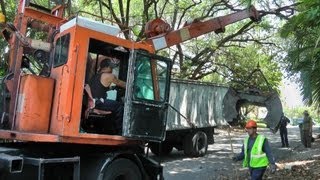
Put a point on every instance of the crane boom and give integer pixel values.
(161, 37)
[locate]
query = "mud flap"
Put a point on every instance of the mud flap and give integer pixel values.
(233, 100)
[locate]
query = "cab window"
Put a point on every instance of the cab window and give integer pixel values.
(61, 50)
(143, 85)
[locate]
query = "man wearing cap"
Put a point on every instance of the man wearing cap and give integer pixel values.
(256, 153)
(284, 131)
(100, 84)
(307, 129)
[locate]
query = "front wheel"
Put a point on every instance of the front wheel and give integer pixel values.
(122, 169)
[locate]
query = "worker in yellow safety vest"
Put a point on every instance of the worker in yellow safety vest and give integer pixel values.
(256, 153)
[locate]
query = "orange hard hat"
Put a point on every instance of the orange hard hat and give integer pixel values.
(251, 124)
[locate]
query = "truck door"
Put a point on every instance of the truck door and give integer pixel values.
(147, 94)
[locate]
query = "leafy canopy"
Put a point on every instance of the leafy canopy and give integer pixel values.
(303, 50)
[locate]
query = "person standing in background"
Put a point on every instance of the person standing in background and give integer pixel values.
(307, 129)
(283, 131)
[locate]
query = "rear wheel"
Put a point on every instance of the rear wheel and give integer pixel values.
(165, 148)
(122, 169)
(195, 144)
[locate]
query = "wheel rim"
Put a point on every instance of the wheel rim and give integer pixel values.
(195, 144)
(200, 147)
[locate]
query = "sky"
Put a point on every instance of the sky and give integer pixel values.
(290, 94)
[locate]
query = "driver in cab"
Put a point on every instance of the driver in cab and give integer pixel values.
(100, 84)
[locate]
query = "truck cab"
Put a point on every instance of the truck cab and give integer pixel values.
(147, 77)
(48, 119)
(56, 104)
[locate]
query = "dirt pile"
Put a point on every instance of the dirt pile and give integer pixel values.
(299, 170)
(304, 170)
(300, 163)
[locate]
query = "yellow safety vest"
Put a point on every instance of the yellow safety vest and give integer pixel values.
(258, 158)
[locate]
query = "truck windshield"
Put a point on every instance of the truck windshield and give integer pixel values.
(151, 79)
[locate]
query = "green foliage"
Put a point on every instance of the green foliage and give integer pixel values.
(269, 69)
(234, 65)
(297, 112)
(10, 7)
(303, 49)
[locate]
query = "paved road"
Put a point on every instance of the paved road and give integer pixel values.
(217, 163)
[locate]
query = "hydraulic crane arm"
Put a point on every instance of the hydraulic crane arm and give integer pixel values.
(161, 37)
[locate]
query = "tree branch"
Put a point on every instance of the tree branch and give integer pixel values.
(288, 9)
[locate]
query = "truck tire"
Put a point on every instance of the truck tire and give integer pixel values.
(165, 148)
(195, 144)
(123, 169)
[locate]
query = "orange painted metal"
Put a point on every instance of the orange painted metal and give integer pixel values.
(97, 139)
(63, 125)
(67, 104)
(58, 11)
(44, 17)
(156, 27)
(16, 53)
(16, 49)
(34, 104)
(155, 80)
(27, 136)
(198, 28)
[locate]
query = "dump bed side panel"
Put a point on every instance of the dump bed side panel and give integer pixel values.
(200, 102)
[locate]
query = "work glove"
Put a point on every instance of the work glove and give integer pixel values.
(273, 168)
